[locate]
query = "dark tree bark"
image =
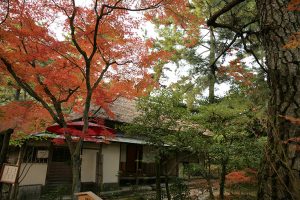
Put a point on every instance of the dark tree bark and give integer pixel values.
(206, 173)
(167, 182)
(158, 181)
(76, 170)
(14, 189)
(224, 163)
(4, 145)
(280, 173)
(17, 94)
(210, 188)
(4, 141)
(167, 186)
(212, 69)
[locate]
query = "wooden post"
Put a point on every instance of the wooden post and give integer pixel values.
(14, 187)
(99, 169)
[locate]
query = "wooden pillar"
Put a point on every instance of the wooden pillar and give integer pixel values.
(99, 169)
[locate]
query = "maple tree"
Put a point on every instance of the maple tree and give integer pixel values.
(4, 8)
(238, 72)
(100, 58)
(16, 118)
(237, 178)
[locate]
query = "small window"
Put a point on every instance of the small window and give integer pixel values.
(61, 154)
(36, 155)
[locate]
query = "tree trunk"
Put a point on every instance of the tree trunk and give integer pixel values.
(210, 190)
(208, 179)
(224, 162)
(5, 137)
(99, 171)
(212, 69)
(4, 145)
(17, 94)
(167, 183)
(158, 181)
(280, 172)
(76, 172)
(15, 187)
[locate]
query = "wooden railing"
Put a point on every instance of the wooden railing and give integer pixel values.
(147, 169)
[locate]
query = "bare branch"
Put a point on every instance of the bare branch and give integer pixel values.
(70, 60)
(102, 13)
(70, 93)
(99, 17)
(239, 31)
(115, 7)
(7, 13)
(62, 8)
(95, 8)
(101, 76)
(55, 102)
(224, 50)
(212, 20)
(95, 39)
(248, 50)
(72, 27)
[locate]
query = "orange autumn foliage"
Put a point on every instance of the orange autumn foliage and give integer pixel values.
(185, 19)
(293, 120)
(294, 40)
(294, 5)
(238, 177)
(101, 54)
(237, 72)
(24, 117)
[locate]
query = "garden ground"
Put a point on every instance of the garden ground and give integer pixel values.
(197, 190)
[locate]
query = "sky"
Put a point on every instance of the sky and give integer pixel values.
(172, 72)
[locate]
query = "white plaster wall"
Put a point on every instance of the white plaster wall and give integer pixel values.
(111, 160)
(88, 165)
(36, 173)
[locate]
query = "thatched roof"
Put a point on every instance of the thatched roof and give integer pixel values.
(124, 110)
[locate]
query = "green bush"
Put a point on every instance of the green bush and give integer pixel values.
(179, 190)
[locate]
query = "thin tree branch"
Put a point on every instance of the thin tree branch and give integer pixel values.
(253, 54)
(101, 75)
(224, 50)
(72, 27)
(63, 9)
(212, 20)
(55, 102)
(115, 7)
(7, 13)
(70, 93)
(29, 90)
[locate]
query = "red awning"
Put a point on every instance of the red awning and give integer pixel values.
(75, 129)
